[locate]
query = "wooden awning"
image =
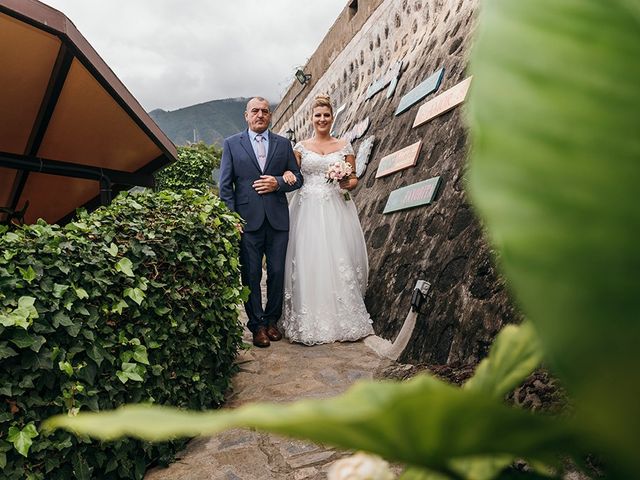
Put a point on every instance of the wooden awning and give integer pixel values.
(71, 134)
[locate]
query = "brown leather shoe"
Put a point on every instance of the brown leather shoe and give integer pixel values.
(273, 333)
(260, 338)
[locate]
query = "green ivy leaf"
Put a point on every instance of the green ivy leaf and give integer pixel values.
(118, 307)
(162, 310)
(58, 290)
(140, 354)
(22, 339)
(88, 334)
(113, 249)
(125, 266)
(74, 329)
(81, 293)
(38, 341)
(122, 376)
(22, 439)
(29, 275)
(61, 318)
(135, 294)
(81, 469)
(66, 368)
(6, 351)
(130, 371)
(11, 237)
(22, 316)
(95, 353)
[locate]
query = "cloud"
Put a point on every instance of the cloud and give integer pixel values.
(171, 53)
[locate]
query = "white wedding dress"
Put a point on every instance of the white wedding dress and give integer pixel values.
(326, 268)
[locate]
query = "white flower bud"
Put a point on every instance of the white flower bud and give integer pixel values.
(361, 466)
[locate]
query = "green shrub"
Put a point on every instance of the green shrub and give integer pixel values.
(133, 303)
(194, 168)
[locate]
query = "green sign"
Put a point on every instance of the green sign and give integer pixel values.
(420, 193)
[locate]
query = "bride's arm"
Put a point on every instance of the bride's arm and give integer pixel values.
(351, 181)
(288, 176)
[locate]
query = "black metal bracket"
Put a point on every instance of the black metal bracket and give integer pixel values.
(65, 169)
(14, 217)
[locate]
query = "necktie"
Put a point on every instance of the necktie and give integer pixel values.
(262, 154)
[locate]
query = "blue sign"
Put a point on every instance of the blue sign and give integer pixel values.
(430, 85)
(389, 78)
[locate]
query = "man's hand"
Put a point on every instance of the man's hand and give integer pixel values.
(239, 228)
(266, 184)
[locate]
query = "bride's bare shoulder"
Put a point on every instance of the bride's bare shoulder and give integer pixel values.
(341, 142)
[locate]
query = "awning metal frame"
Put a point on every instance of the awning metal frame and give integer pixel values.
(74, 46)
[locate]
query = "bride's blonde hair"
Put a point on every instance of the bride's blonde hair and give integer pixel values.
(322, 100)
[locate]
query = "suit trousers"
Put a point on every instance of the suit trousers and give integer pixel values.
(272, 244)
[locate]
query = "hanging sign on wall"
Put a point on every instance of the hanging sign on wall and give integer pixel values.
(390, 78)
(358, 130)
(405, 158)
(337, 120)
(421, 193)
(442, 103)
(430, 85)
(362, 159)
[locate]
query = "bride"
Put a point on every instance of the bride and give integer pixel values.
(326, 268)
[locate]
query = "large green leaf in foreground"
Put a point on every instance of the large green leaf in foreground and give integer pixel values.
(422, 422)
(515, 353)
(555, 112)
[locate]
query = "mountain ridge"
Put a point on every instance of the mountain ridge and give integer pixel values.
(210, 122)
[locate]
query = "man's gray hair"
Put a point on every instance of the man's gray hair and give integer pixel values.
(260, 99)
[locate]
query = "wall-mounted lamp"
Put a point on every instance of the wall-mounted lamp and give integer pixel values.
(302, 77)
(419, 294)
(291, 136)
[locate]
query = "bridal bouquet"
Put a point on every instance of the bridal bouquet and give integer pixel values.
(338, 171)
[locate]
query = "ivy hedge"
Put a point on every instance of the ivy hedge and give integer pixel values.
(136, 302)
(194, 168)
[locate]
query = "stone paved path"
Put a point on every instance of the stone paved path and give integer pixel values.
(280, 373)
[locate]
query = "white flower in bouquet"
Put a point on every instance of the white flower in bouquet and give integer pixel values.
(338, 171)
(361, 466)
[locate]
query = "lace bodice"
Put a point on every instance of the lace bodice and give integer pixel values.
(313, 167)
(315, 164)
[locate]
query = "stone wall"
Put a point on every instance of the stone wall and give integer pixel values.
(442, 242)
(350, 21)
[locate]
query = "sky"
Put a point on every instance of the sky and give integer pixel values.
(176, 53)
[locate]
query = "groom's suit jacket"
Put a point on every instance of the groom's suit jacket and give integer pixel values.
(239, 168)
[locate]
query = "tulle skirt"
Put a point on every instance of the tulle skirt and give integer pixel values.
(326, 269)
